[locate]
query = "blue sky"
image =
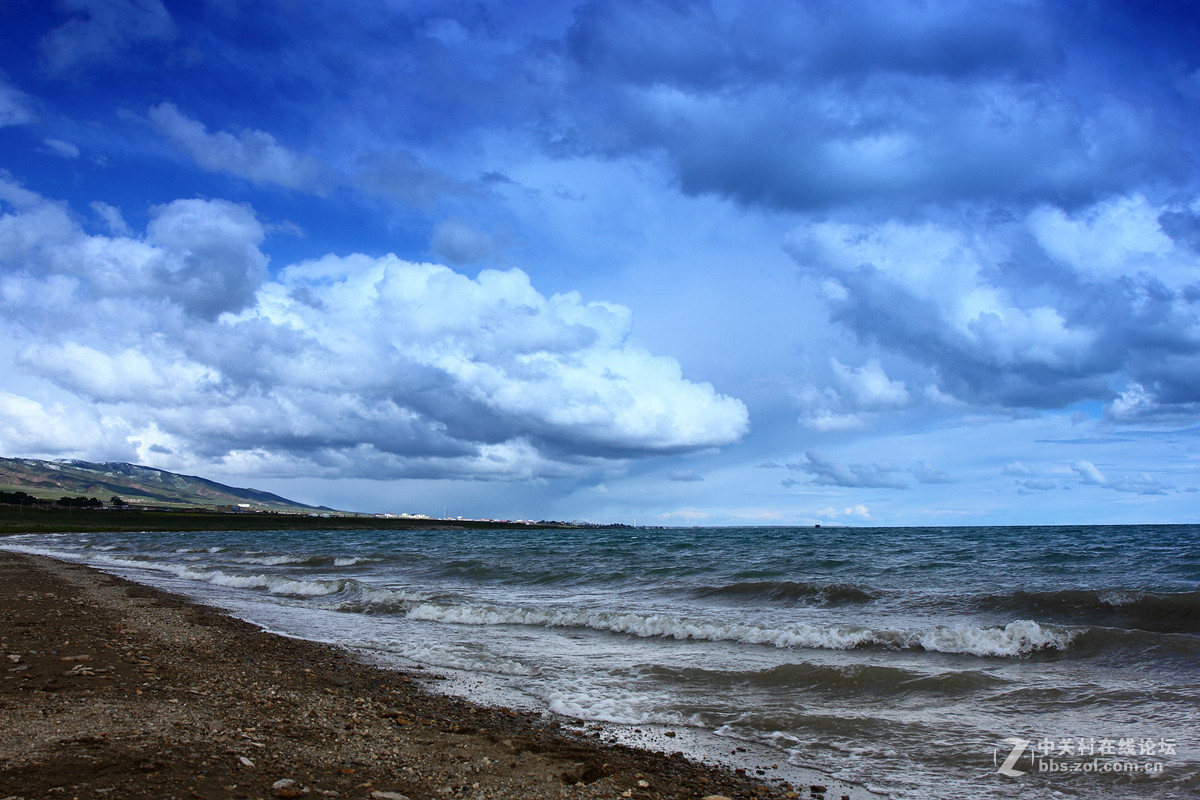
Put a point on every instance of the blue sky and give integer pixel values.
(655, 262)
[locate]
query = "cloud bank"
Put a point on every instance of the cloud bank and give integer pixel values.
(1040, 311)
(350, 365)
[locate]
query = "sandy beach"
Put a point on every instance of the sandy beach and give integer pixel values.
(115, 690)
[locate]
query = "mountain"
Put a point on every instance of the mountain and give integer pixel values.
(135, 484)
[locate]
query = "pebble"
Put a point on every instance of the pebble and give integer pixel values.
(286, 789)
(388, 796)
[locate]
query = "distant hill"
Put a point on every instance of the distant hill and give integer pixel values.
(135, 484)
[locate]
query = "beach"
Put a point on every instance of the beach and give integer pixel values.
(116, 690)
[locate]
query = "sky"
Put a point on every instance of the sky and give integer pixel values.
(659, 263)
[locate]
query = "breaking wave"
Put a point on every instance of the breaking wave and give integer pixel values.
(1020, 638)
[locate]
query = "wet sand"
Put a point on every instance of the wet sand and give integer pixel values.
(114, 690)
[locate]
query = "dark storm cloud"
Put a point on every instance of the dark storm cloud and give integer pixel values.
(813, 105)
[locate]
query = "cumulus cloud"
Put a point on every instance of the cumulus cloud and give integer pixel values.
(925, 472)
(99, 30)
(254, 155)
(1088, 473)
(1028, 312)
(371, 366)
(859, 393)
(112, 218)
(59, 429)
(828, 471)
(869, 387)
(1139, 483)
(858, 511)
(1139, 404)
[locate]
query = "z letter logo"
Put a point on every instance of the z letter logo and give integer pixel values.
(1018, 747)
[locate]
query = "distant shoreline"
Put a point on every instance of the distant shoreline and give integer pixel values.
(16, 520)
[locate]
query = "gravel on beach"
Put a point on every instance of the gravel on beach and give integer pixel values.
(114, 690)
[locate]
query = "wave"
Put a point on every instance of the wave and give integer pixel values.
(1139, 645)
(1020, 638)
(801, 592)
(838, 679)
(302, 561)
(353, 596)
(273, 584)
(1157, 612)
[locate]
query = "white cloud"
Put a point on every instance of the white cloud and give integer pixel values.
(61, 148)
(869, 387)
(113, 220)
(376, 366)
(858, 511)
(102, 29)
(828, 471)
(928, 473)
(1115, 237)
(854, 404)
(1137, 483)
(29, 426)
(1087, 471)
(14, 105)
(1041, 311)
(250, 154)
(1139, 404)
(826, 421)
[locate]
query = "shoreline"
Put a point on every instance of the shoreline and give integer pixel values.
(115, 689)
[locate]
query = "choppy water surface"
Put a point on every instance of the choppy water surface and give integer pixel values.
(914, 661)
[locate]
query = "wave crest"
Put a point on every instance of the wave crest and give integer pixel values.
(1016, 639)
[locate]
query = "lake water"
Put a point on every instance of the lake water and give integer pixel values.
(917, 662)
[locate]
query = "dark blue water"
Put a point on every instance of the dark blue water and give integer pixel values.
(914, 661)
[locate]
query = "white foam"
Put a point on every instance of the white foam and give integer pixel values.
(275, 584)
(462, 658)
(1015, 639)
(270, 561)
(625, 709)
(389, 598)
